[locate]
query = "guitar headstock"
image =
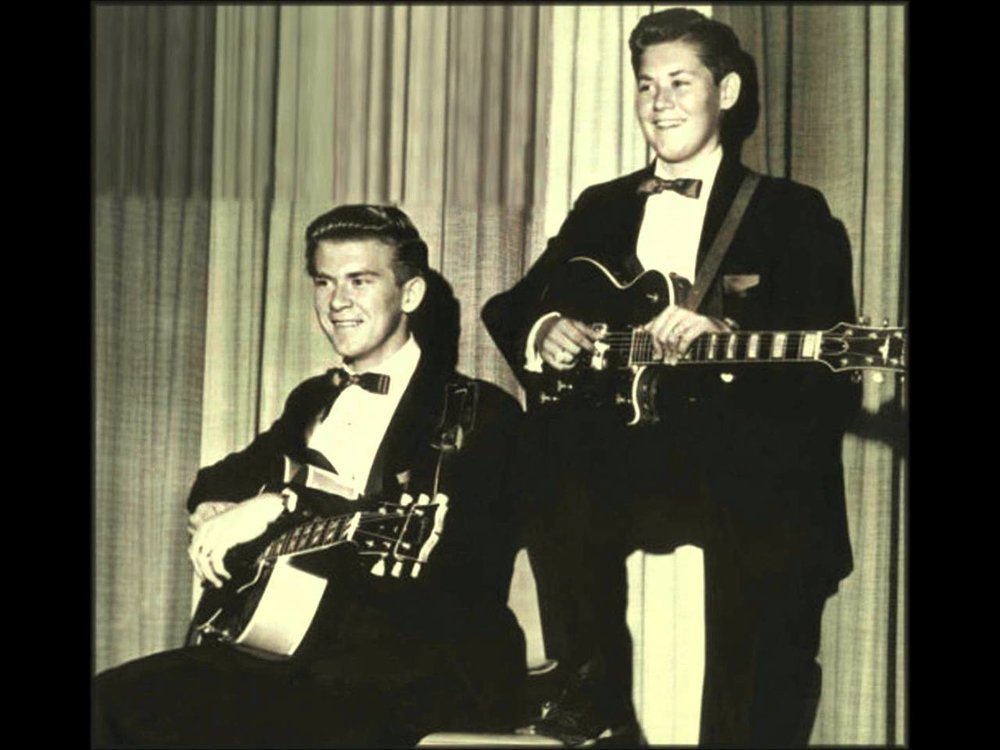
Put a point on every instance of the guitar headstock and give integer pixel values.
(406, 532)
(849, 346)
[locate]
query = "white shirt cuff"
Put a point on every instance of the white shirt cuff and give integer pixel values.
(532, 359)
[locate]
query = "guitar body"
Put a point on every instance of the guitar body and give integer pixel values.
(588, 292)
(279, 579)
(266, 607)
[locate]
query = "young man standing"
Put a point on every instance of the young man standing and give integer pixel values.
(745, 462)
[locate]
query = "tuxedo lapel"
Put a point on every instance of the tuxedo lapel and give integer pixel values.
(629, 221)
(411, 428)
(302, 415)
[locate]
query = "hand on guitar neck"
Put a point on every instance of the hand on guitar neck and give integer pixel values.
(218, 529)
(675, 329)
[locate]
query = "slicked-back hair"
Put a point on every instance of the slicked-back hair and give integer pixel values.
(387, 224)
(718, 49)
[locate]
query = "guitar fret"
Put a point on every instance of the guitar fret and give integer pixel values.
(731, 345)
(752, 345)
(713, 340)
(331, 530)
(810, 345)
(316, 535)
(778, 343)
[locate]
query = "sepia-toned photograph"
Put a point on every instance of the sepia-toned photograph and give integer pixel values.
(500, 375)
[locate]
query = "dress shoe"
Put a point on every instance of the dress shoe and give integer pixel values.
(586, 714)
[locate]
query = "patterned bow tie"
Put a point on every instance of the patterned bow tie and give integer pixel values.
(685, 186)
(370, 381)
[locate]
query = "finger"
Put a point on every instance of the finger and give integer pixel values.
(562, 341)
(658, 330)
(690, 334)
(582, 333)
(216, 561)
(199, 559)
(193, 556)
(207, 570)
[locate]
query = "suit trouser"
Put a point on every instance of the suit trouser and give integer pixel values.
(599, 496)
(608, 496)
(216, 696)
(762, 680)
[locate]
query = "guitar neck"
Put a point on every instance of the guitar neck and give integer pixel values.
(636, 347)
(839, 350)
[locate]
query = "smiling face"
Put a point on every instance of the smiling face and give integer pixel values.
(359, 305)
(678, 103)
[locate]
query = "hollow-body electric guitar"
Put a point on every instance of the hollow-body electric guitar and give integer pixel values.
(270, 601)
(623, 370)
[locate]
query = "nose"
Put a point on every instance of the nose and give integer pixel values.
(340, 298)
(664, 98)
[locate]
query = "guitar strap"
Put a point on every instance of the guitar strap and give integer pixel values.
(458, 418)
(713, 259)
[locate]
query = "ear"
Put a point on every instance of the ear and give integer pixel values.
(729, 90)
(413, 293)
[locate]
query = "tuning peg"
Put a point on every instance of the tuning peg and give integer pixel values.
(405, 499)
(397, 569)
(415, 570)
(424, 499)
(885, 322)
(864, 320)
(878, 377)
(378, 569)
(856, 376)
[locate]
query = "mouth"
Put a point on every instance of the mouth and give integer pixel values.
(667, 124)
(345, 324)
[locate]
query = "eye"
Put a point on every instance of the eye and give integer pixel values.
(645, 86)
(320, 282)
(679, 84)
(360, 281)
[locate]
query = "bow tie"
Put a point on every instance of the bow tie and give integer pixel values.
(370, 381)
(685, 186)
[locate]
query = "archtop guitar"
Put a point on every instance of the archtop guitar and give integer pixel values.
(623, 370)
(270, 601)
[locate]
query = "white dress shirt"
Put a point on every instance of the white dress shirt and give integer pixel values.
(668, 236)
(671, 225)
(350, 435)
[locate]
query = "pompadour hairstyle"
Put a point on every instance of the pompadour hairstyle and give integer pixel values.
(386, 224)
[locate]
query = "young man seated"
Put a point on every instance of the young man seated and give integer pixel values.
(383, 659)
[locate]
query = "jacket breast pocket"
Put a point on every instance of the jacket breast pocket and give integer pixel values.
(739, 285)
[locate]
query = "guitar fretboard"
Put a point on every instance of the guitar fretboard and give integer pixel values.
(321, 532)
(636, 347)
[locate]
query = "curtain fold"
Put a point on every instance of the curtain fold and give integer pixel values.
(832, 93)
(152, 110)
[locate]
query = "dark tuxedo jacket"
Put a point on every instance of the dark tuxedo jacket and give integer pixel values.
(452, 622)
(772, 436)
